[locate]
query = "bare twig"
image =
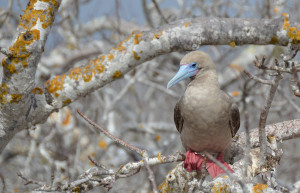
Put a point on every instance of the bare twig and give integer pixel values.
(151, 174)
(296, 79)
(28, 180)
(96, 163)
(263, 118)
(159, 11)
(269, 82)
(147, 14)
(248, 144)
(123, 143)
(116, 139)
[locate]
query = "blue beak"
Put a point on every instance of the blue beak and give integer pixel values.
(185, 71)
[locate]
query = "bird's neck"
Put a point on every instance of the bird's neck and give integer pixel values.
(207, 78)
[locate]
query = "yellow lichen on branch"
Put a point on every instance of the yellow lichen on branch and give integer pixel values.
(135, 55)
(31, 15)
(37, 90)
(18, 49)
(292, 32)
(117, 74)
(219, 188)
(232, 44)
(137, 37)
(110, 56)
(86, 73)
(157, 35)
(56, 84)
(258, 188)
(187, 24)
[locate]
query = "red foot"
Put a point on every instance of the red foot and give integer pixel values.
(194, 162)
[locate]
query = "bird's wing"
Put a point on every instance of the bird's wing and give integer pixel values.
(178, 119)
(234, 119)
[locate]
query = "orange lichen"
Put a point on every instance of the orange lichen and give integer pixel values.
(67, 118)
(37, 90)
(31, 16)
(232, 44)
(18, 49)
(219, 188)
(187, 24)
(76, 189)
(135, 55)
(110, 56)
(93, 154)
(236, 67)
(292, 32)
(137, 37)
(66, 102)
(274, 40)
(15, 98)
(87, 73)
(102, 144)
(258, 188)
(120, 46)
(56, 84)
(5, 96)
(117, 74)
(157, 137)
(102, 58)
(157, 35)
(235, 93)
(75, 73)
(11, 68)
(276, 9)
(159, 156)
(3, 93)
(24, 63)
(164, 187)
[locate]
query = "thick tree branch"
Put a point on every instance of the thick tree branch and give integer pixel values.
(20, 102)
(182, 35)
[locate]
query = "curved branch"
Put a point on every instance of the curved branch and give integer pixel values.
(182, 35)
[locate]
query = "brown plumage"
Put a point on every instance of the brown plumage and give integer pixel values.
(206, 117)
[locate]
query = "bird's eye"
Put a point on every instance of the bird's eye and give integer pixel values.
(194, 65)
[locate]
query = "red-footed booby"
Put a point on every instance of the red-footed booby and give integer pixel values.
(206, 117)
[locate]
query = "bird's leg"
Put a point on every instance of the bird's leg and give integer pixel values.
(214, 170)
(193, 161)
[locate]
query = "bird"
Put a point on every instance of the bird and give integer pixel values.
(206, 117)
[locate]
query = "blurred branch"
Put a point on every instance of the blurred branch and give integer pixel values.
(95, 177)
(159, 12)
(114, 138)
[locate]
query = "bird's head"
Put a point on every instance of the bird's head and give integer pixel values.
(192, 64)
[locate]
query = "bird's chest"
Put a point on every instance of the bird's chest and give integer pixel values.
(206, 121)
(203, 107)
